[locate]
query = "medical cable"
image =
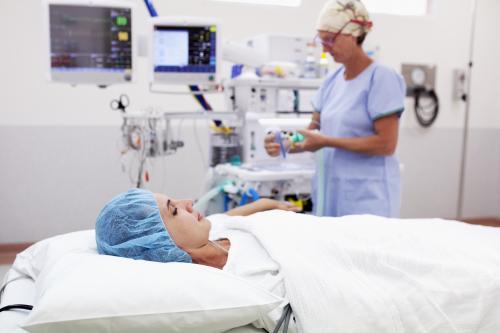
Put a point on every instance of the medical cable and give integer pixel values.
(142, 160)
(217, 245)
(7, 283)
(130, 171)
(285, 318)
(16, 306)
(141, 171)
(426, 115)
(140, 149)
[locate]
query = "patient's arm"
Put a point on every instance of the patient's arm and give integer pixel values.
(260, 206)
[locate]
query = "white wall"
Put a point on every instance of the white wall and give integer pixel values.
(402, 39)
(60, 160)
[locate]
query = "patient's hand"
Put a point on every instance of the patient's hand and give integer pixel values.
(283, 205)
(261, 205)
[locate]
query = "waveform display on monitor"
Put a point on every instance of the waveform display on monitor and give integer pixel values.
(185, 49)
(90, 38)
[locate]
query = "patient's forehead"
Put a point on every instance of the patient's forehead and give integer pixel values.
(165, 196)
(161, 201)
(162, 197)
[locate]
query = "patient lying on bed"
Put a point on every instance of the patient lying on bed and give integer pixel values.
(359, 273)
(140, 224)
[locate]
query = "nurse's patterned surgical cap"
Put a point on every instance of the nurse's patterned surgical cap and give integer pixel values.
(350, 16)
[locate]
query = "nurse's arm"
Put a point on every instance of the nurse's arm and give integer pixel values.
(383, 143)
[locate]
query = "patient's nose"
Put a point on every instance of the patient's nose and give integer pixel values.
(188, 205)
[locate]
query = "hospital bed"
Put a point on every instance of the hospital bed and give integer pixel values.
(17, 292)
(364, 273)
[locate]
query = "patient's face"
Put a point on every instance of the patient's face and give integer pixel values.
(188, 228)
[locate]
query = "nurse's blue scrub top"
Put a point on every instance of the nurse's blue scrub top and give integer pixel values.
(357, 183)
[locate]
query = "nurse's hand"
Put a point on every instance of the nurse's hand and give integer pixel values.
(313, 140)
(271, 146)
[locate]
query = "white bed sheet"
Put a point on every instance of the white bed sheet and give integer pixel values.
(372, 274)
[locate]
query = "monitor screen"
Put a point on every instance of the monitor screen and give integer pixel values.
(86, 40)
(186, 50)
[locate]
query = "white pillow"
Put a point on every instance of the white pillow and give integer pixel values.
(86, 292)
(46, 252)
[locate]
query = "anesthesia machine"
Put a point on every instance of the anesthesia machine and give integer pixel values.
(272, 81)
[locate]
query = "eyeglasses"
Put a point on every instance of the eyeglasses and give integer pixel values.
(325, 42)
(330, 41)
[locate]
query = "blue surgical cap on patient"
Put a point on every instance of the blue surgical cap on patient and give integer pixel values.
(130, 226)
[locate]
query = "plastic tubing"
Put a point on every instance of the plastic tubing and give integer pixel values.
(200, 204)
(320, 188)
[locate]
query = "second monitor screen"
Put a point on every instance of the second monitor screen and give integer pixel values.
(185, 49)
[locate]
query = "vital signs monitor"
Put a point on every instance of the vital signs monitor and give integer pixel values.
(184, 50)
(90, 41)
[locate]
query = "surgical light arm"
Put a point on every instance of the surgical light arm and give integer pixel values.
(241, 54)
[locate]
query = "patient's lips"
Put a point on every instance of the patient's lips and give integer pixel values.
(200, 216)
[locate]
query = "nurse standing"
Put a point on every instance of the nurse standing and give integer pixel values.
(357, 111)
